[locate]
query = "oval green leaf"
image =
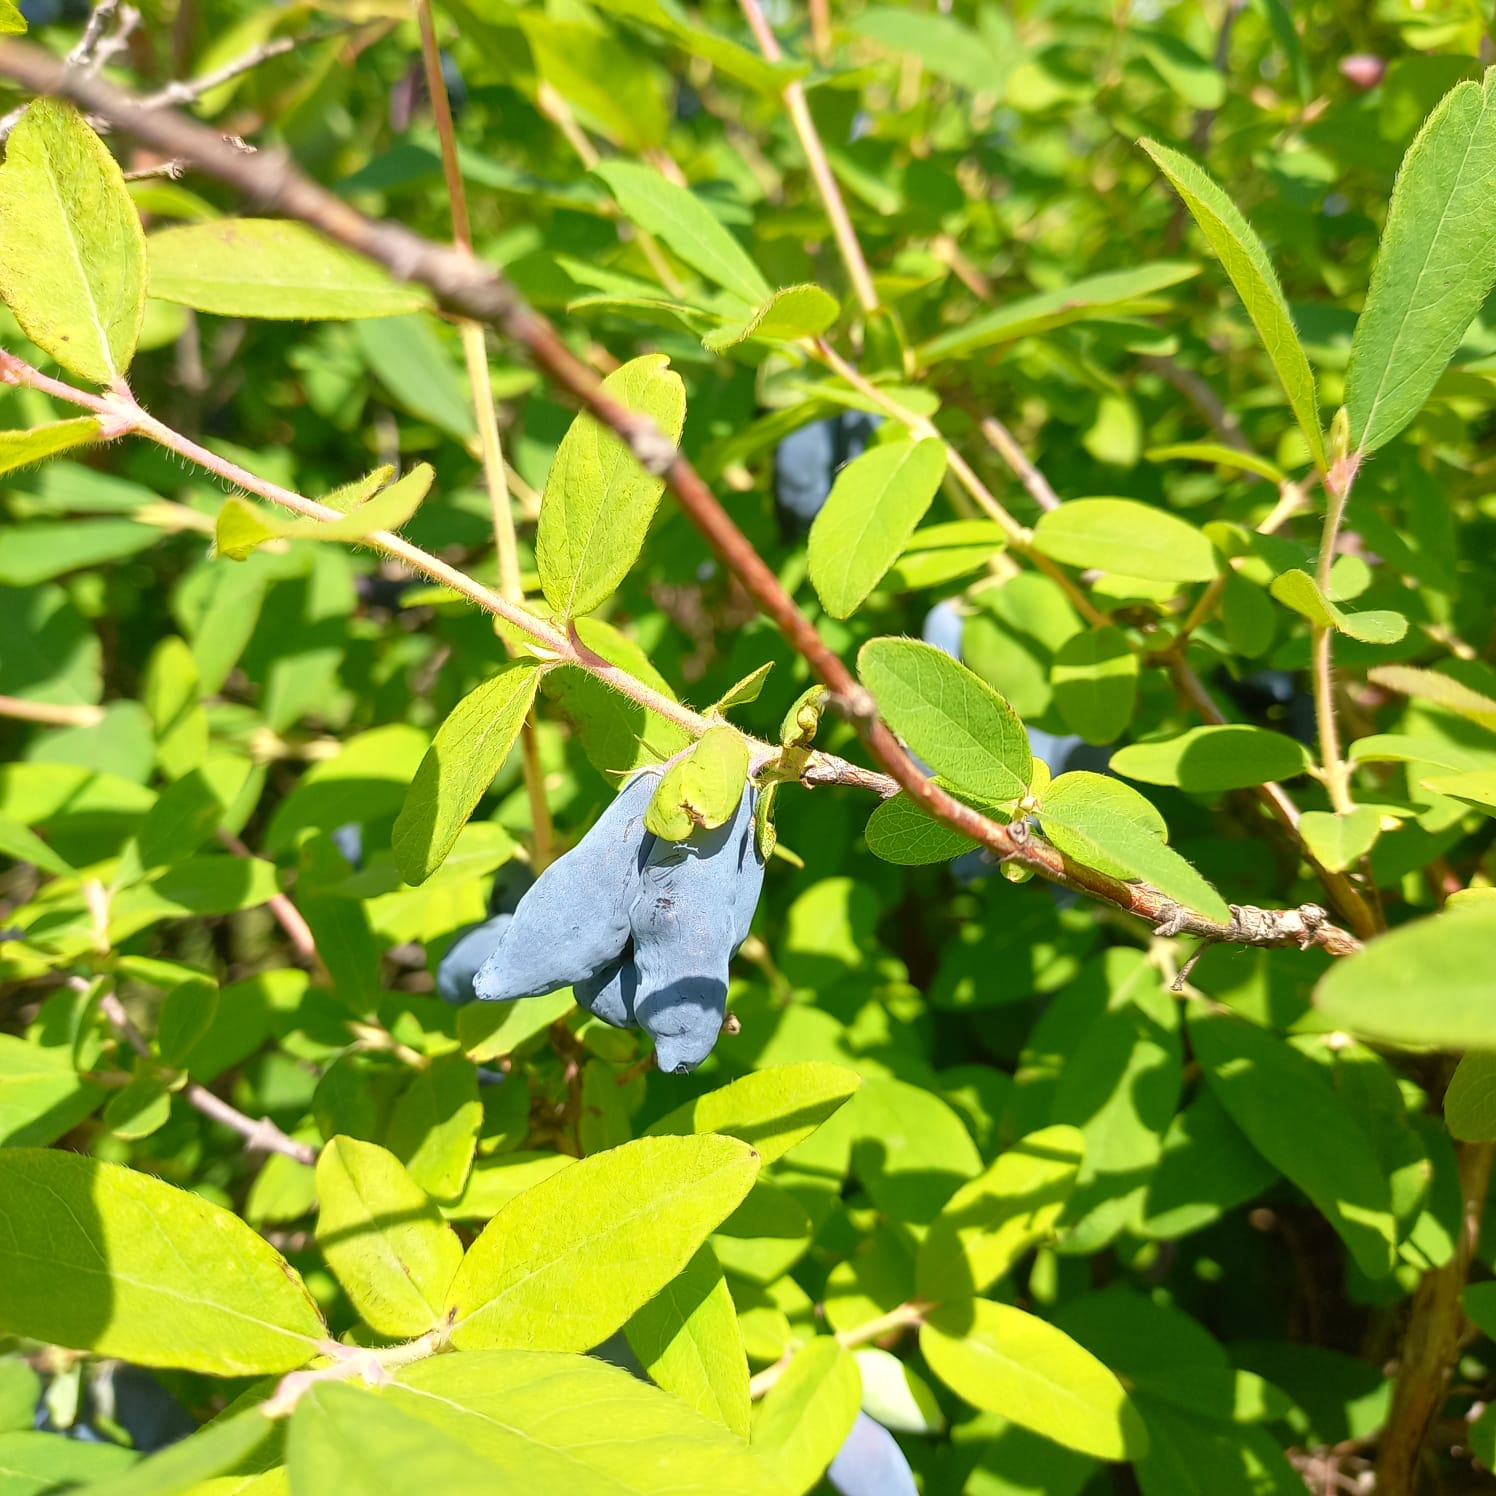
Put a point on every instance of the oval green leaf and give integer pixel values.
(1210, 760)
(1095, 681)
(1128, 538)
(701, 789)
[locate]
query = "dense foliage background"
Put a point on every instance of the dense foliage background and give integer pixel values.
(1210, 1235)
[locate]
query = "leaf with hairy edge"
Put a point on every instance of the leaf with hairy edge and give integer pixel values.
(72, 252)
(1245, 260)
(1284, 1103)
(469, 749)
(19, 449)
(203, 1291)
(273, 269)
(792, 313)
(685, 225)
(1298, 590)
(1005, 1361)
(384, 1240)
(701, 789)
(1128, 538)
(598, 501)
(993, 1220)
(688, 1339)
(242, 527)
(1115, 830)
(615, 1436)
(1445, 959)
(874, 505)
(949, 716)
(773, 1109)
(1435, 267)
(565, 1264)
(808, 1412)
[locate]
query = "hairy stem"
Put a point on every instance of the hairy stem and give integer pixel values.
(1337, 777)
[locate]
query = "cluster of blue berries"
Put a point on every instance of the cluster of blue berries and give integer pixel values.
(641, 929)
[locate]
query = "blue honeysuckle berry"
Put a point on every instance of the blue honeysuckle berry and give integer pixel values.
(870, 1463)
(574, 921)
(943, 628)
(473, 946)
(610, 994)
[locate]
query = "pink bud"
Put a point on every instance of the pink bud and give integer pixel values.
(1362, 69)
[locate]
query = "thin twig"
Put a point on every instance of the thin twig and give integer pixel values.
(181, 92)
(1017, 459)
(466, 288)
(287, 915)
(54, 714)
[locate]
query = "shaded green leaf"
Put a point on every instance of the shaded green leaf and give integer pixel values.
(20, 448)
(221, 1445)
(899, 831)
(1095, 681)
(788, 315)
(41, 1094)
(434, 1128)
(1298, 590)
(1440, 689)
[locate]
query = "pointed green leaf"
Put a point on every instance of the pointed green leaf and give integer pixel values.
(12, 22)
(101, 1258)
(1245, 260)
(1095, 680)
(1220, 455)
(750, 688)
(1445, 959)
(568, 1262)
(701, 790)
(19, 449)
(1339, 841)
(1298, 590)
(598, 501)
(37, 1464)
(773, 1109)
(1105, 825)
(242, 526)
(1001, 1214)
(874, 505)
(949, 716)
(1435, 267)
(273, 268)
(1443, 690)
(686, 226)
(790, 314)
(72, 252)
(1284, 1103)
(688, 1339)
(1128, 538)
(808, 1412)
(469, 749)
(1005, 1361)
(384, 1240)
(1210, 760)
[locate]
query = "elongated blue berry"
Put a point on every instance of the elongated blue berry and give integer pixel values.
(454, 976)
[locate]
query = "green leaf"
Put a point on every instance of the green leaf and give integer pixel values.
(1189, 1455)
(790, 314)
(189, 810)
(1127, 538)
(468, 750)
(1436, 265)
(19, 449)
(726, 56)
(1095, 680)
(945, 45)
(35, 1464)
(242, 527)
(104, 1259)
(345, 1439)
(568, 1262)
(384, 1240)
(1219, 455)
(1004, 1361)
(1470, 1101)
(750, 688)
(685, 225)
(72, 252)
(615, 1434)
(1444, 959)
(948, 716)
(1298, 590)
(701, 790)
(186, 1018)
(1211, 760)
(12, 22)
(911, 1151)
(414, 364)
(138, 1109)
(21, 844)
(808, 1413)
(899, 831)
(688, 1339)
(38, 552)
(434, 1128)
(598, 501)
(773, 1109)
(1001, 1214)
(1340, 841)
(1477, 788)
(1245, 260)
(272, 268)
(937, 554)
(1101, 823)
(20, 1391)
(874, 505)
(41, 1094)
(1282, 1100)
(1440, 689)
(1109, 292)
(184, 1467)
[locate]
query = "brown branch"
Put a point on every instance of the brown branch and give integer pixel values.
(467, 288)
(287, 915)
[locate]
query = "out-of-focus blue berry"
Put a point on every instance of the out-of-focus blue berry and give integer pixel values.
(349, 840)
(943, 628)
(806, 461)
(454, 976)
(870, 1463)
